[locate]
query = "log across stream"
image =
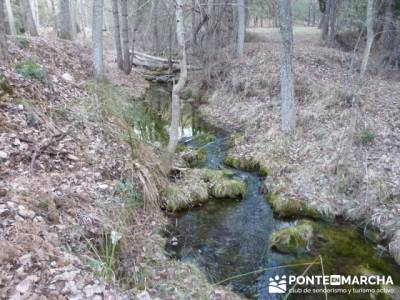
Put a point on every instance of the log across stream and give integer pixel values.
(228, 239)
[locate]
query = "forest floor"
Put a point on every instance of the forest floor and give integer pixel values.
(69, 182)
(353, 173)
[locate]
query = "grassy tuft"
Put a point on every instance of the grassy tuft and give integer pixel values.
(251, 165)
(22, 41)
(204, 138)
(30, 69)
(367, 137)
(298, 208)
(294, 239)
(228, 188)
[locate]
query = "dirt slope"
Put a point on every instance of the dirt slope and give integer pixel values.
(67, 179)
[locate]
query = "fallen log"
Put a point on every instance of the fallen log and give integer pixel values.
(162, 66)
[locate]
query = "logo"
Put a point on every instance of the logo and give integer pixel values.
(277, 285)
(326, 283)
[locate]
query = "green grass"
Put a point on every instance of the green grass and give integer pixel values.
(30, 69)
(127, 192)
(22, 41)
(293, 239)
(104, 258)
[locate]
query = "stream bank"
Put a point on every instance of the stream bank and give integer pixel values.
(229, 237)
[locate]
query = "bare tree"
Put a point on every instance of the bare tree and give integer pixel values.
(241, 13)
(64, 20)
(35, 12)
(175, 106)
(154, 25)
(333, 4)
(10, 17)
(29, 21)
(389, 55)
(97, 38)
(117, 34)
(127, 64)
(3, 38)
(324, 8)
(287, 88)
(370, 38)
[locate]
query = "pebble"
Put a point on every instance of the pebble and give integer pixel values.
(20, 107)
(25, 213)
(24, 286)
(67, 77)
(91, 290)
(103, 186)
(143, 296)
(3, 210)
(3, 155)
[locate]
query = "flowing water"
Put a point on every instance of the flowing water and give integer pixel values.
(229, 238)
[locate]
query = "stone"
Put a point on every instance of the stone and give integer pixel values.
(102, 186)
(67, 77)
(143, 296)
(3, 192)
(91, 290)
(3, 155)
(4, 211)
(25, 212)
(20, 107)
(16, 142)
(24, 286)
(66, 276)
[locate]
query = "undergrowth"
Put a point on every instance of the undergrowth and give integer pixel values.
(30, 69)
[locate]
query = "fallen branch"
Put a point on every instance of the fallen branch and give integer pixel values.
(55, 139)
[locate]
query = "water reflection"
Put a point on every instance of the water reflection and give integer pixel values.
(153, 126)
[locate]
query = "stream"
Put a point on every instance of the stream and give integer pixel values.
(229, 238)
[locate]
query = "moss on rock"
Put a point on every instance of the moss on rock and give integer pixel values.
(294, 239)
(286, 208)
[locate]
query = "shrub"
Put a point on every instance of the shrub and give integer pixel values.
(30, 69)
(129, 194)
(367, 137)
(22, 41)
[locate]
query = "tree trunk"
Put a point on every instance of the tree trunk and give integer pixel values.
(35, 12)
(370, 38)
(388, 55)
(127, 65)
(314, 12)
(10, 17)
(117, 34)
(175, 105)
(64, 20)
(332, 22)
(325, 19)
(3, 37)
(29, 22)
(154, 26)
(287, 88)
(241, 27)
(97, 39)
